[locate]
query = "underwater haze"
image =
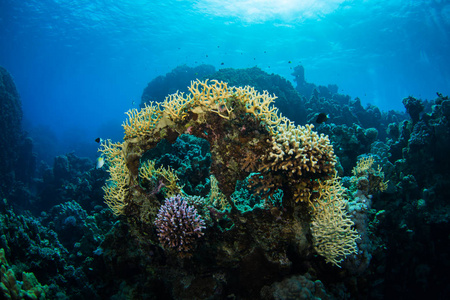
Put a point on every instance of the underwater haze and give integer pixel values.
(79, 65)
(255, 149)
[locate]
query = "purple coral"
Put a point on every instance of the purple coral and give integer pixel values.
(178, 224)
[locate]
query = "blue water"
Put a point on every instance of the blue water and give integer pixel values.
(79, 65)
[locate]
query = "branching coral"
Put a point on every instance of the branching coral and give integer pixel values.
(260, 105)
(211, 97)
(116, 188)
(148, 172)
(295, 152)
(245, 134)
(216, 197)
(272, 186)
(333, 234)
(142, 122)
(368, 179)
(299, 149)
(300, 153)
(179, 225)
(175, 106)
(363, 165)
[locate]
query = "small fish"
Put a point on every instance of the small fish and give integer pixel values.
(289, 62)
(100, 162)
(99, 140)
(133, 102)
(322, 117)
(222, 63)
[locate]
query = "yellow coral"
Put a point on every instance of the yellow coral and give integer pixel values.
(140, 123)
(216, 197)
(216, 96)
(259, 105)
(175, 106)
(302, 192)
(116, 188)
(212, 97)
(382, 185)
(363, 165)
(147, 171)
(299, 149)
(297, 154)
(328, 191)
(366, 178)
(332, 229)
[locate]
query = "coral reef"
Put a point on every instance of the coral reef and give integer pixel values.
(413, 107)
(367, 179)
(262, 171)
(10, 130)
(62, 248)
(17, 162)
(295, 151)
(11, 288)
(366, 182)
(296, 287)
(72, 178)
(257, 207)
(420, 152)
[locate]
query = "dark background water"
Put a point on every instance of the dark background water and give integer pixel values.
(79, 65)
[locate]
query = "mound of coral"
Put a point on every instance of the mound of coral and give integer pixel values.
(272, 185)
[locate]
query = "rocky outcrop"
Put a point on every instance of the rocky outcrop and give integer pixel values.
(10, 130)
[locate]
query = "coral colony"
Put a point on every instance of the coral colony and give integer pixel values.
(178, 224)
(284, 156)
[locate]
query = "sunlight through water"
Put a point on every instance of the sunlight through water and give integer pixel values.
(254, 11)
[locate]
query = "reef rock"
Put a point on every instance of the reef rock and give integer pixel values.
(10, 130)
